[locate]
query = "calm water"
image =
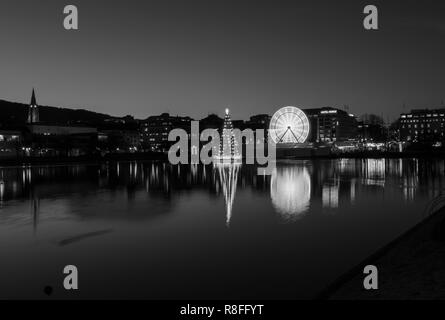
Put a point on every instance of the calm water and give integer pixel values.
(152, 230)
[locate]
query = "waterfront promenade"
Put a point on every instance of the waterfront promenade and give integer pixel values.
(410, 267)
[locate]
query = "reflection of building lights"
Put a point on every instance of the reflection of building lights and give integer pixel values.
(329, 195)
(353, 186)
(290, 190)
(374, 172)
(194, 171)
(133, 170)
(408, 190)
(2, 190)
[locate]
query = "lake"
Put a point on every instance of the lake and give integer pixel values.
(150, 230)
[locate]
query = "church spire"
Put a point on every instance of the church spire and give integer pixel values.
(33, 98)
(33, 112)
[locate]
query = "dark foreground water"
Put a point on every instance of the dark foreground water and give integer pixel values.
(152, 230)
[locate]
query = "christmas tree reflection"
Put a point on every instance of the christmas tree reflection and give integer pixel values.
(228, 176)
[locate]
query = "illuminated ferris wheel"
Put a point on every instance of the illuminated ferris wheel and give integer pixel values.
(289, 125)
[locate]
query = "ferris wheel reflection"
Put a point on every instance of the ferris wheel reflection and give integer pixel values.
(290, 191)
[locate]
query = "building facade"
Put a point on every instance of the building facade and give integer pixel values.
(371, 128)
(154, 131)
(260, 121)
(331, 125)
(118, 140)
(212, 121)
(422, 125)
(48, 139)
(10, 143)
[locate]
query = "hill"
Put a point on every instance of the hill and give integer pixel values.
(13, 113)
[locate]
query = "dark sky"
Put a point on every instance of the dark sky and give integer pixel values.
(196, 57)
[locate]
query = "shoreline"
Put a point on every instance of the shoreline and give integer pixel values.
(412, 266)
(81, 159)
(7, 162)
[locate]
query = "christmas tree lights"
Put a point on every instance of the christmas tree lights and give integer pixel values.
(228, 144)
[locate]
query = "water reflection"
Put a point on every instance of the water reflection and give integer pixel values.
(330, 193)
(160, 220)
(35, 209)
(2, 191)
(228, 178)
(294, 189)
(374, 172)
(290, 190)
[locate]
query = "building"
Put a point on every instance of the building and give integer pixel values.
(371, 128)
(239, 124)
(260, 121)
(118, 140)
(330, 125)
(48, 139)
(33, 111)
(212, 121)
(59, 130)
(10, 143)
(154, 131)
(119, 135)
(422, 125)
(57, 140)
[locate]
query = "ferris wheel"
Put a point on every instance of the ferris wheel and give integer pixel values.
(289, 125)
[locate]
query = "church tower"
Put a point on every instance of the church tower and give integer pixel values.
(33, 111)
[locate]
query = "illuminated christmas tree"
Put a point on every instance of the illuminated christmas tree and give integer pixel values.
(229, 144)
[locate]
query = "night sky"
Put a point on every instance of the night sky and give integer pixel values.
(193, 58)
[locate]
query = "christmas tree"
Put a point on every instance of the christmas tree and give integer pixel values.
(229, 144)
